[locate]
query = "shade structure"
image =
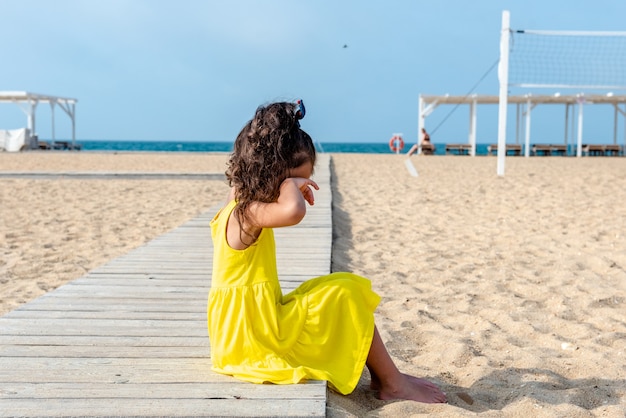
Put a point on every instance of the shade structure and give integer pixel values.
(28, 102)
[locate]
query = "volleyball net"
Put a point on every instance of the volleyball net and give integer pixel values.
(584, 60)
(589, 61)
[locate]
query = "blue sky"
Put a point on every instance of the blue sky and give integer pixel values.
(196, 70)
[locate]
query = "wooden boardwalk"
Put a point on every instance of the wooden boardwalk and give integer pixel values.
(130, 337)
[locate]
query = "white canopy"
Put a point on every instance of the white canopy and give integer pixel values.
(428, 103)
(28, 103)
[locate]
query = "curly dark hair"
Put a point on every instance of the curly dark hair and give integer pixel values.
(266, 148)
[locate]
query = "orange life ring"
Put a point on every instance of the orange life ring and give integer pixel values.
(396, 143)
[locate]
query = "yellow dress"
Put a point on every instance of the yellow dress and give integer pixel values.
(322, 330)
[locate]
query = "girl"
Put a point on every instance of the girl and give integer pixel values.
(325, 328)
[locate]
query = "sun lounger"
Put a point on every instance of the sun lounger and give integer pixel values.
(602, 150)
(458, 149)
(511, 149)
(549, 149)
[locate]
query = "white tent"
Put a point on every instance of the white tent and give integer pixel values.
(15, 140)
(28, 103)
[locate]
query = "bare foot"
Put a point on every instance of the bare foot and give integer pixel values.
(413, 389)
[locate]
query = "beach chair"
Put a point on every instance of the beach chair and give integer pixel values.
(613, 149)
(458, 149)
(549, 149)
(593, 149)
(511, 149)
(559, 149)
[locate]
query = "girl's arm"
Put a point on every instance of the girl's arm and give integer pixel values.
(289, 208)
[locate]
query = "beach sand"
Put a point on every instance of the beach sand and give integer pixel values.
(56, 230)
(508, 292)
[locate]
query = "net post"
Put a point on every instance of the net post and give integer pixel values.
(503, 76)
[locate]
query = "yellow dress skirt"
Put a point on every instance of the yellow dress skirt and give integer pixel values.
(322, 330)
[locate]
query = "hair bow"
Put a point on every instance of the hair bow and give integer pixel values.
(300, 111)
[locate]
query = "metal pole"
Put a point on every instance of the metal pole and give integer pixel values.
(518, 126)
(33, 116)
(503, 75)
(73, 126)
(566, 125)
(421, 122)
(615, 124)
(579, 145)
(472, 136)
(527, 139)
(52, 103)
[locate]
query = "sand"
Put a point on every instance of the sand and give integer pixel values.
(508, 292)
(55, 230)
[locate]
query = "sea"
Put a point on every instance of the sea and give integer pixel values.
(196, 146)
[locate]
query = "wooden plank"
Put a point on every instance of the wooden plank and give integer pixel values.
(232, 407)
(108, 330)
(228, 388)
(131, 175)
(106, 370)
(98, 326)
(137, 292)
(106, 314)
(130, 337)
(85, 351)
(103, 341)
(68, 304)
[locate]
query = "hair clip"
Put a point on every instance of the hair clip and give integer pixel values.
(300, 110)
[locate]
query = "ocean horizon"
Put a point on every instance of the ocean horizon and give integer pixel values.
(216, 146)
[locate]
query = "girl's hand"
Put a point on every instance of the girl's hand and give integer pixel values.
(289, 209)
(304, 185)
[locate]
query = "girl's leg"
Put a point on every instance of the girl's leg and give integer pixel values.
(392, 384)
